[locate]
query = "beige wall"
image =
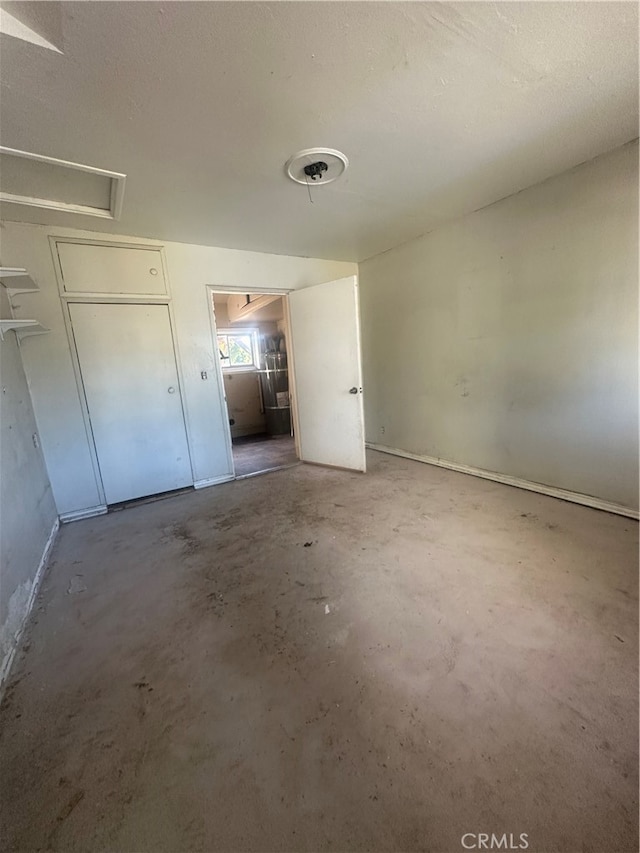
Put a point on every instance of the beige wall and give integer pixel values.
(507, 339)
(221, 314)
(28, 512)
(244, 403)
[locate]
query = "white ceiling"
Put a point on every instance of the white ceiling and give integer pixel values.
(441, 108)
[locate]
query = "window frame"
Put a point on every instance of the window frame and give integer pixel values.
(253, 332)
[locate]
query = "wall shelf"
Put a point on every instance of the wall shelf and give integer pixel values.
(22, 328)
(17, 280)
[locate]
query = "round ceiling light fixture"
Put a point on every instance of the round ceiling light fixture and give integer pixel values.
(316, 166)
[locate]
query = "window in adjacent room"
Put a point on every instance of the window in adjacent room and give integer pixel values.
(238, 349)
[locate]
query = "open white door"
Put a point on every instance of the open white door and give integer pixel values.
(325, 333)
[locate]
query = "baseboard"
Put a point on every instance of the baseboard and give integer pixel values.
(213, 481)
(79, 514)
(551, 491)
(5, 667)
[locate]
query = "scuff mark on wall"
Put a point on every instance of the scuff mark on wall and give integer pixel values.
(12, 623)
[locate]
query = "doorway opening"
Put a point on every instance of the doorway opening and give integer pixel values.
(252, 337)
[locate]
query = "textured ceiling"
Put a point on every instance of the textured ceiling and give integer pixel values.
(441, 108)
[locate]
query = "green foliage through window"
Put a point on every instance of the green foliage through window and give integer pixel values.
(236, 349)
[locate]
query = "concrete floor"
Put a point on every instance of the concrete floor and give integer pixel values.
(261, 452)
(447, 656)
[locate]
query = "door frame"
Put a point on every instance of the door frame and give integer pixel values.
(212, 289)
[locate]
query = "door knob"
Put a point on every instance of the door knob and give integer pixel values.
(171, 389)
(353, 390)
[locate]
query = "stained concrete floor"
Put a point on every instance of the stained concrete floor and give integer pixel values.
(256, 453)
(447, 656)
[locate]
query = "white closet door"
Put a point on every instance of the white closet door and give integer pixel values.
(325, 332)
(130, 379)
